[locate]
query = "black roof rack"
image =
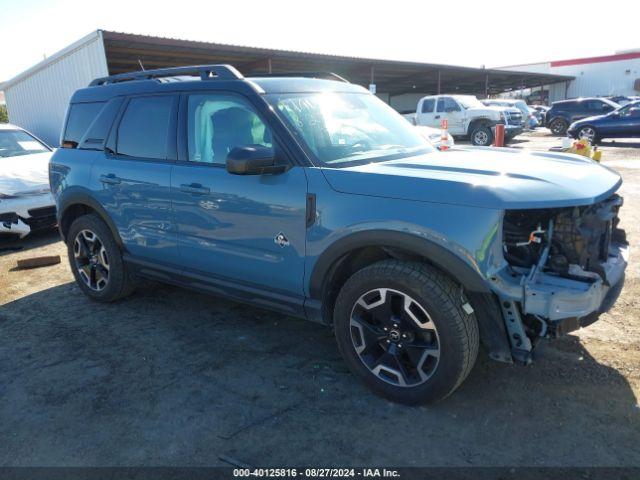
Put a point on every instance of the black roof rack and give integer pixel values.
(205, 72)
(320, 75)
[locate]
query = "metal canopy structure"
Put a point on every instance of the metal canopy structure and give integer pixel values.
(127, 52)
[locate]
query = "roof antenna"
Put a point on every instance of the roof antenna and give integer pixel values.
(141, 66)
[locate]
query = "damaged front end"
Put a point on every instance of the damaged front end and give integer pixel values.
(565, 267)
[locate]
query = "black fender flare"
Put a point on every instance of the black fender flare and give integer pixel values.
(444, 259)
(490, 321)
(81, 197)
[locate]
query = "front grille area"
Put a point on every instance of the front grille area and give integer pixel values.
(42, 212)
(581, 236)
(514, 118)
(40, 218)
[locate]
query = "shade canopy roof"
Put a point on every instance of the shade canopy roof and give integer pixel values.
(126, 52)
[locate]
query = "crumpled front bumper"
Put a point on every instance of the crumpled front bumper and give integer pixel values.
(555, 298)
(16, 212)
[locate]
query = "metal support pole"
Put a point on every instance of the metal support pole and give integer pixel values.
(486, 86)
(438, 82)
(372, 81)
(269, 65)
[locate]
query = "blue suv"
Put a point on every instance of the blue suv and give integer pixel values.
(563, 113)
(313, 198)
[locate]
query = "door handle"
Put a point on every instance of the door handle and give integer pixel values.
(195, 188)
(110, 179)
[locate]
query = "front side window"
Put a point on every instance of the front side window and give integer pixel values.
(218, 123)
(144, 129)
(447, 104)
(427, 105)
(14, 143)
(342, 128)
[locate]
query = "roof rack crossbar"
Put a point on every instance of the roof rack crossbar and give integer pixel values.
(205, 72)
(320, 75)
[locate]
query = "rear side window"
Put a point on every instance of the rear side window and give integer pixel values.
(144, 129)
(81, 115)
(97, 133)
(427, 105)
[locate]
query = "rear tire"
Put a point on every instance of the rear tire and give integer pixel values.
(96, 260)
(558, 127)
(481, 136)
(402, 330)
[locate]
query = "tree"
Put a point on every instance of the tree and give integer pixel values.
(4, 116)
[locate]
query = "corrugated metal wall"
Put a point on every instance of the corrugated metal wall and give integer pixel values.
(591, 79)
(38, 101)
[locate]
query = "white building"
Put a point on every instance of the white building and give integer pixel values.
(609, 75)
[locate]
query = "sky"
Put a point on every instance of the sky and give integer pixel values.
(470, 33)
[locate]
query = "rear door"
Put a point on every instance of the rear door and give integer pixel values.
(131, 178)
(426, 112)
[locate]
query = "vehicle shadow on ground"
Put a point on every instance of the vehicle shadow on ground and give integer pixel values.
(172, 377)
(619, 144)
(12, 243)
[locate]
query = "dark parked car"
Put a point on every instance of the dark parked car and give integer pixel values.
(564, 113)
(314, 198)
(623, 122)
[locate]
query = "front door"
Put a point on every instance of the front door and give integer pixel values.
(426, 113)
(447, 108)
(132, 177)
(247, 229)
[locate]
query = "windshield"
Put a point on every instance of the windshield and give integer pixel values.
(341, 128)
(469, 101)
(16, 142)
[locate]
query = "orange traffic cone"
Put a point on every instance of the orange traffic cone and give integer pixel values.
(444, 138)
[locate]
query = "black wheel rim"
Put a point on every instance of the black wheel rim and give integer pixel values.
(91, 260)
(394, 337)
(557, 127)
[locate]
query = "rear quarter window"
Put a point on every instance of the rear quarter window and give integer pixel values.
(80, 116)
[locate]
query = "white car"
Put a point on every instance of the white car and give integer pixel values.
(26, 203)
(434, 135)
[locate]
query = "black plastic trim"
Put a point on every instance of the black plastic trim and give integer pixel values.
(441, 257)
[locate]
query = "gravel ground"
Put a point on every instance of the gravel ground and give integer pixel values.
(172, 377)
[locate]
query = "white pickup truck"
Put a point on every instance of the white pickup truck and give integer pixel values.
(468, 117)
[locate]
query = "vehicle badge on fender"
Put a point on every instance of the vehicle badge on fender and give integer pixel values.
(281, 240)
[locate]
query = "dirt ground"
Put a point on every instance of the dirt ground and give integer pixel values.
(172, 377)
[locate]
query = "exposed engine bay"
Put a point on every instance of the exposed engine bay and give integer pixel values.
(579, 236)
(565, 267)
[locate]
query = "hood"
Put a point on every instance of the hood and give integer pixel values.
(497, 178)
(483, 110)
(25, 174)
(595, 118)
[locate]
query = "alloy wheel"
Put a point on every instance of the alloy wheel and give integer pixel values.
(394, 337)
(91, 260)
(587, 132)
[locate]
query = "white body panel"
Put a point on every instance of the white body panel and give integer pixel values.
(38, 98)
(598, 79)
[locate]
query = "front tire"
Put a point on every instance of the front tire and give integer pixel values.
(589, 133)
(96, 260)
(403, 330)
(481, 136)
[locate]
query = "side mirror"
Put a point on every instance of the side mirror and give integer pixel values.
(615, 113)
(253, 160)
